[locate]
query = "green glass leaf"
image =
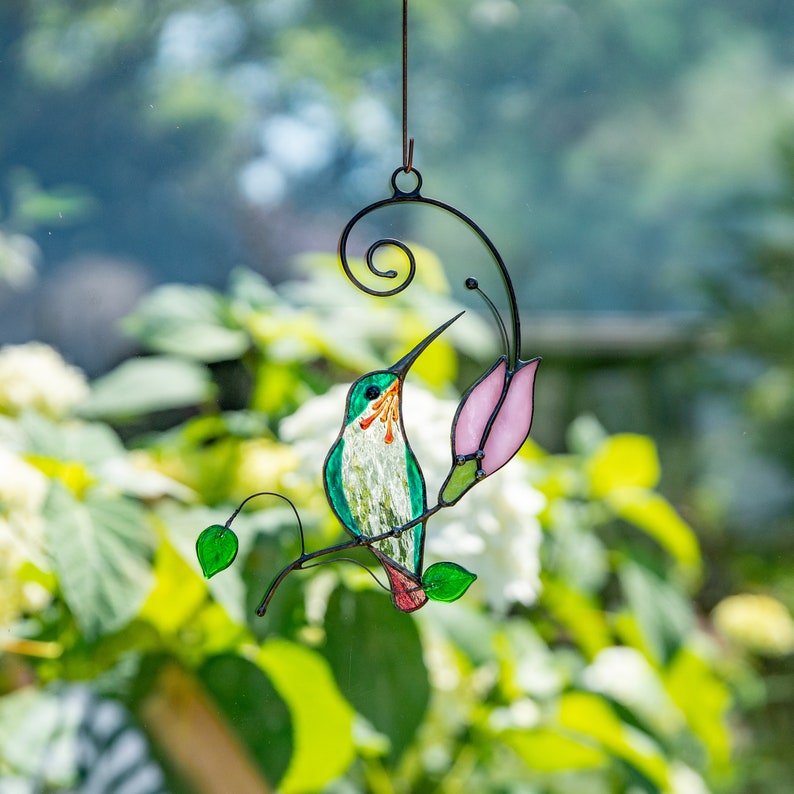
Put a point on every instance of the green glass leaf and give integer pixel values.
(446, 581)
(216, 549)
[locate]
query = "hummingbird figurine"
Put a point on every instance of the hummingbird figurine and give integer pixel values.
(375, 488)
(373, 481)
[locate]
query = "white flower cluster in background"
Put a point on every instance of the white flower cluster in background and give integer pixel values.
(493, 531)
(34, 376)
(684, 780)
(23, 489)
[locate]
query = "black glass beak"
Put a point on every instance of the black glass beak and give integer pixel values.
(404, 364)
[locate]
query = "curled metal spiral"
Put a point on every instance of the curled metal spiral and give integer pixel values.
(414, 196)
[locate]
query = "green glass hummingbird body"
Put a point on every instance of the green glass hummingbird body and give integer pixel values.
(373, 480)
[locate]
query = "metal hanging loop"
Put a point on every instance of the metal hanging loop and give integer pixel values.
(414, 196)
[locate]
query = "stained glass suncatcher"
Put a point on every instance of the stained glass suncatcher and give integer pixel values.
(373, 480)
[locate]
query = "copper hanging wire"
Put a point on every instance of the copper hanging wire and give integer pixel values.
(408, 143)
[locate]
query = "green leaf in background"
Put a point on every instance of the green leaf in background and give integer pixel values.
(376, 655)
(142, 385)
(251, 290)
(101, 549)
(286, 614)
(446, 581)
(322, 720)
(468, 629)
(625, 460)
(705, 700)
(216, 548)
(546, 750)
(663, 615)
(35, 725)
(253, 708)
(177, 595)
(64, 204)
(87, 442)
(188, 321)
(655, 516)
(591, 716)
(579, 612)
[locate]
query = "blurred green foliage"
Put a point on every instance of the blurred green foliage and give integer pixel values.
(753, 303)
(605, 679)
(189, 136)
(756, 302)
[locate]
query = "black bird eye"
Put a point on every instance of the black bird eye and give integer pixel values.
(372, 392)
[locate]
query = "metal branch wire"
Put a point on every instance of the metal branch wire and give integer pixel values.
(280, 496)
(355, 562)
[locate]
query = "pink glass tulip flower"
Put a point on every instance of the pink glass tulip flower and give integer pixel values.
(490, 426)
